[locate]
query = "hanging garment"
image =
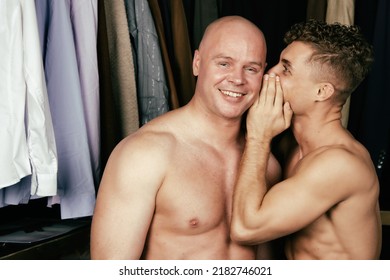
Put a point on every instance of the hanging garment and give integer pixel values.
(109, 116)
(340, 11)
(316, 9)
(152, 88)
(17, 194)
(76, 191)
(179, 48)
(122, 69)
(27, 143)
(344, 13)
(156, 12)
(84, 22)
(182, 59)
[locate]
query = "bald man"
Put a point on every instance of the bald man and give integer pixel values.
(166, 192)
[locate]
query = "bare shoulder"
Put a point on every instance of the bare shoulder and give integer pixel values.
(341, 165)
(142, 158)
(154, 140)
(148, 139)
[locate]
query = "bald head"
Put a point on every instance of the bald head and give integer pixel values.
(232, 26)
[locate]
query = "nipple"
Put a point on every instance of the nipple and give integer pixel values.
(194, 222)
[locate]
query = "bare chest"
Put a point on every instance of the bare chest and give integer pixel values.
(196, 195)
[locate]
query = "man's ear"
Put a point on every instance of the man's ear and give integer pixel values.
(325, 91)
(195, 63)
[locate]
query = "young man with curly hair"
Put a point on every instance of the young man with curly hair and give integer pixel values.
(327, 205)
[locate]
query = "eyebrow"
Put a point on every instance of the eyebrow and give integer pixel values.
(285, 61)
(230, 58)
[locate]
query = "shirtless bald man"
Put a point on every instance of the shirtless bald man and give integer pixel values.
(328, 203)
(166, 192)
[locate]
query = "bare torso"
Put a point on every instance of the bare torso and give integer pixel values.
(193, 204)
(351, 228)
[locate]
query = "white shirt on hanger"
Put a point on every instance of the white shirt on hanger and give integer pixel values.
(27, 143)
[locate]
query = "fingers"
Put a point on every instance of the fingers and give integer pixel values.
(271, 90)
(263, 92)
(278, 102)
(287, 113)
(271, 85)
(272, 100)
(270, 115)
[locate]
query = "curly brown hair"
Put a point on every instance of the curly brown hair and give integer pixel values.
(341, 48)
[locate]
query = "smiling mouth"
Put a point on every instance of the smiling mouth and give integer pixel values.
(231, 93)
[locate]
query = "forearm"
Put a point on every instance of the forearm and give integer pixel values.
(251, 187)
(268, 117)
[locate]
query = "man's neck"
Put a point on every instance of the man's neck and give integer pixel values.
(216, 130)
(311, 133)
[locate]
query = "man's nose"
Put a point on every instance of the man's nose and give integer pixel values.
(236, 76)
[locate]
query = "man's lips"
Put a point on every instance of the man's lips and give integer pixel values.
(232, 93)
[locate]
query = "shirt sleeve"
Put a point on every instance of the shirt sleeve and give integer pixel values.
(39, 128)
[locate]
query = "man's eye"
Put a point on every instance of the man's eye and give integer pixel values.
(252, 70)
(285, 69)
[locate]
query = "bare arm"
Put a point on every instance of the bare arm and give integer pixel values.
(252, 184)
(292, 204)
(126, 199)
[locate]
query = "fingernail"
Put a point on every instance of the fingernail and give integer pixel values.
(272, 75)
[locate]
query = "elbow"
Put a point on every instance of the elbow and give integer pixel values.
(241, 234)
(236, 233)
(244, 234)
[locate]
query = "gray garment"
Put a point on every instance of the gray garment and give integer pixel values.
(153, 95)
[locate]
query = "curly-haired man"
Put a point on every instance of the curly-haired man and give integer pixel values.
(327, 205)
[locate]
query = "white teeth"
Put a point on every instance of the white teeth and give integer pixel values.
(231, 93)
